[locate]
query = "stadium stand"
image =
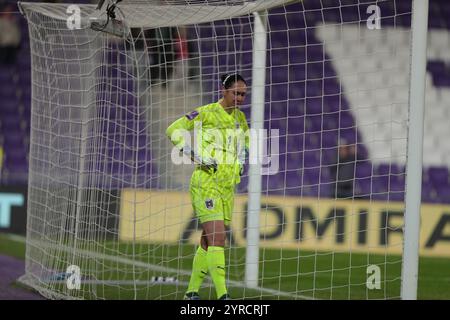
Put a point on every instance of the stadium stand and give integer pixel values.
(307, 102)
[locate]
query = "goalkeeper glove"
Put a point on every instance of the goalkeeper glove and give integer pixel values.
(205, 163)
(241, 169)
(243, 155)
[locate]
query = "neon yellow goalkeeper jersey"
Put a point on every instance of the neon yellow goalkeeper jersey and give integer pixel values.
(218, 135)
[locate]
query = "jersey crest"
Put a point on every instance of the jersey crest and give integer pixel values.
(209, 204)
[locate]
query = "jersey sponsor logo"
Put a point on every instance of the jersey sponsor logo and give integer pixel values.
(238, 125)
(191, 116)
(209, 204)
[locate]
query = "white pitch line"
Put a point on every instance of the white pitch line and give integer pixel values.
(153, 267)
(15, 237)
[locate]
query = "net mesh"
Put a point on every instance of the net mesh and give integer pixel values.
(105, 195)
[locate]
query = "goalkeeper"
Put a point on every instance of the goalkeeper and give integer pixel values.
(219, 157)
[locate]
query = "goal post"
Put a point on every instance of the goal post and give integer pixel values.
(337, 90)
(255, 170)
(410, 272)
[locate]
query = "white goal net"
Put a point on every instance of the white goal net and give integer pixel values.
(110, 215)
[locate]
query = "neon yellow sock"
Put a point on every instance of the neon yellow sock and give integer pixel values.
(199, 270)
(216, 267)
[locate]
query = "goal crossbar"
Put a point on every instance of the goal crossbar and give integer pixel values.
(136, 13)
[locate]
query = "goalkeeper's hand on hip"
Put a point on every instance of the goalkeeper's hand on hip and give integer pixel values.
(210, 164)
(205, 163)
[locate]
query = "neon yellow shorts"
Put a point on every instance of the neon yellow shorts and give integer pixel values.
(209, 200)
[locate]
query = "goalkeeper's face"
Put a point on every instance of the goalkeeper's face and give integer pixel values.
(235, 95)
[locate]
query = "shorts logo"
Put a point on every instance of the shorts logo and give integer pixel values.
(209, 204)
(191, 116)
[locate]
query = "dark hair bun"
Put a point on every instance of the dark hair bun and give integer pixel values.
(229, 79)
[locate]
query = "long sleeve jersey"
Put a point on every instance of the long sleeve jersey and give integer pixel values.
(219, 135)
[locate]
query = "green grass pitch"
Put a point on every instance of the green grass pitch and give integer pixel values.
(284, 274)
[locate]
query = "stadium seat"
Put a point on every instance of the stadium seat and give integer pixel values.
(439, 176)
